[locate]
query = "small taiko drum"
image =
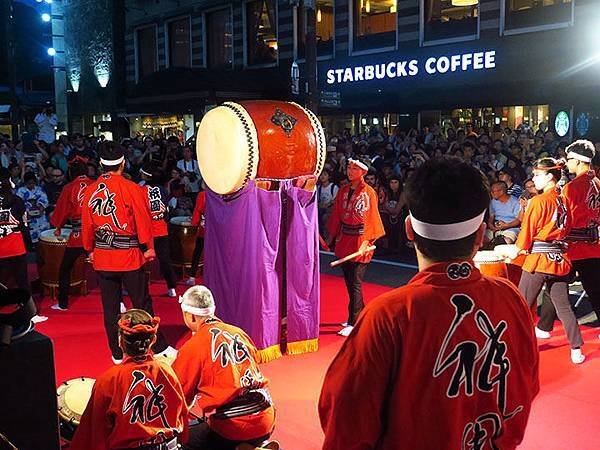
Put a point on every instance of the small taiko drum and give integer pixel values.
(513, 265)
(182, 240)
(73, 397)
(51, 249)
(258, 140)
(490, 263)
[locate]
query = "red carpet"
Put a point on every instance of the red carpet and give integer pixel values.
(564, 414)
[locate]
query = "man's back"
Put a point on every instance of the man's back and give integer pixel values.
(447, 362)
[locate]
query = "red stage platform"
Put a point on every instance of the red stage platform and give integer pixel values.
(564, 414)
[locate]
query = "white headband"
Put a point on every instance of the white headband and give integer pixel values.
(360, 164)
(142, 171)
(447, 231)
(114, 162)
(196, 311)
(577, 156)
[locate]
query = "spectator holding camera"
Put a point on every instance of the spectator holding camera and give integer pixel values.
(46, 122)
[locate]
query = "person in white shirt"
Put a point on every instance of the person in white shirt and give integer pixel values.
(190, 169)
(46, 122)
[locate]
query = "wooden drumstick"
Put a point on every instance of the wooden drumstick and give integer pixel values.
(324, 244)
(352, 256)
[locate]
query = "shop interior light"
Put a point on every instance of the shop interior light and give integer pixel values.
(394, 7)
(368, 6)
(46, 17)
(319, 18)
(464, 2)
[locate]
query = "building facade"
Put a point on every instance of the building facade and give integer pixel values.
(380, 62)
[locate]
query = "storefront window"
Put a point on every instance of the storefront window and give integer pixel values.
(325, 24)
(146, 51)
(447, 19)
(533, 13)
(261, 32)
(179, 43)
(219, 28)
(374, 24)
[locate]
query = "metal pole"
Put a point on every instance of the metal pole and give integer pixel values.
(312, 98)
(8, 13)
(60, 73)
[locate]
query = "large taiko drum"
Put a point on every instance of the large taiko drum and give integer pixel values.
(258, 140)
(490, 263)
(182, 240)
(73, 397)
(50, 254)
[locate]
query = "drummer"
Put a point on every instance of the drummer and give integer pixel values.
(117, 233)
(546, 223)
(582, 198)
(355, 225)
(137, 404)
(221, 379)
(156, 197)
(198, 220)
(13, 234)
(68, 210)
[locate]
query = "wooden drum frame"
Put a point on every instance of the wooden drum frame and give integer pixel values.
(50, 252)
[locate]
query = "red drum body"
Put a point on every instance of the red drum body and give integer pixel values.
(258, 140)
(489, 263)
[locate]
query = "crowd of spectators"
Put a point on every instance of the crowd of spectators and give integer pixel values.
(506, 156)
(40, 169)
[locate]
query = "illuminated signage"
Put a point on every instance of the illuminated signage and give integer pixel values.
(562, 124)
(465, 62)
(582, 124)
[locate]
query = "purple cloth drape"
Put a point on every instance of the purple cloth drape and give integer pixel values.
(244, 248)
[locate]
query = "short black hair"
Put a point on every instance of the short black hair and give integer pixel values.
(77, 169)
(444, 191)
(110, 151)
(582, 147)
(557, 167)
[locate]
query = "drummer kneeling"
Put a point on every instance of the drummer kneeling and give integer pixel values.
(138, 403)
(221, 379)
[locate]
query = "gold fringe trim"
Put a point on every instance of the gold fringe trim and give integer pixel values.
(296, 348)
(268, 354)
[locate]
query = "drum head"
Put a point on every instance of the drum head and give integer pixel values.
(184, 221)
(48, 236)
(73, 397)
(227, 148)
(487, 257)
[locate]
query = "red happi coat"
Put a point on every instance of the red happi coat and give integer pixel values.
(68, 208)
(217, 365)
(12, 224)
(354, 220)
(155, 201)
(448, 361)
(115, 205)
(546, 219)
(582, 198)
(198, 214)
(138, 402)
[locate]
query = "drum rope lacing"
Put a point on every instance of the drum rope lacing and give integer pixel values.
(251, 150)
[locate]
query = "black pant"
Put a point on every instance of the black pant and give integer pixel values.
(110, 288)
(201, 437)
(196, 256)
(354, 272)
(589, 274)
(64, 277)
(163, 253)
(15, 267)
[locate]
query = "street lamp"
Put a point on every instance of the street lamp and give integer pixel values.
(46, 17)
(51, 51)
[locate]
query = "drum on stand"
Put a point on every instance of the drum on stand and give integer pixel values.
(514, 266)
(490, 263)
(258, 140)
(51, 250)
(182, 241)
(73, 397)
